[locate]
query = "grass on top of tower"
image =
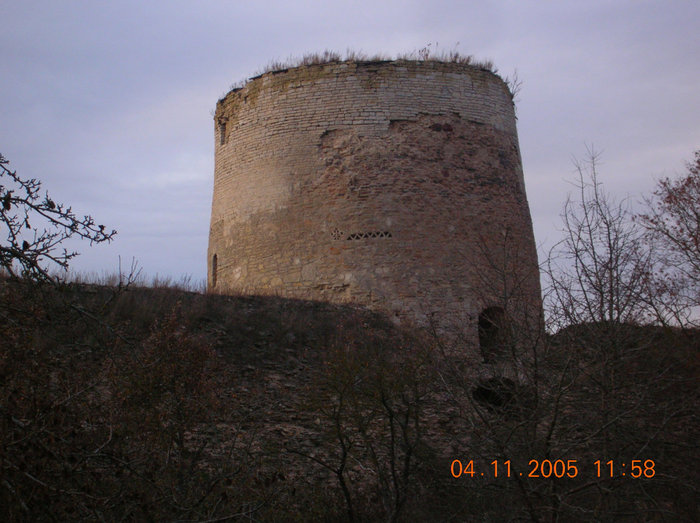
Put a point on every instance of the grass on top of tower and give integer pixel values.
(428, 53)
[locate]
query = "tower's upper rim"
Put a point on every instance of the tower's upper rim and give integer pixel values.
(435, 64)
(470, 64)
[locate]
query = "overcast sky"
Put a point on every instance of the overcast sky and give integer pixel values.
(109, 103)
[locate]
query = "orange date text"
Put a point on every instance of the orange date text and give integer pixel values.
(557, 468)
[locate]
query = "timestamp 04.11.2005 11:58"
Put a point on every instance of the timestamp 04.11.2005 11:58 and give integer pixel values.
(560, 468)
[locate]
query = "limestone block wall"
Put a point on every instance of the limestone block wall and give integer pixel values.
(396, 184)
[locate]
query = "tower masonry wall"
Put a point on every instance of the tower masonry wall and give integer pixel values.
(397, 185)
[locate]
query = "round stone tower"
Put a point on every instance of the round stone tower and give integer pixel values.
(393, 184)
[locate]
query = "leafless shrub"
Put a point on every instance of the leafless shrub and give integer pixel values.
(36, 228)
(599, 271)
(515, 85)
(672, 225)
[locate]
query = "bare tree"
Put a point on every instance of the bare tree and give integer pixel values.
(35, 227)
(599, 270)
(672, 223)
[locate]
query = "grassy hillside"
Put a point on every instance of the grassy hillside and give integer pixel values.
(159, 404)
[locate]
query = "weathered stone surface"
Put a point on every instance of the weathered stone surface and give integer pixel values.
(397, 185)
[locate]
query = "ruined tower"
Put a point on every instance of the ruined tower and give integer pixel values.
(393, 184)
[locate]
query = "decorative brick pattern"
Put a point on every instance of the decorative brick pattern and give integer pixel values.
(391, 184)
